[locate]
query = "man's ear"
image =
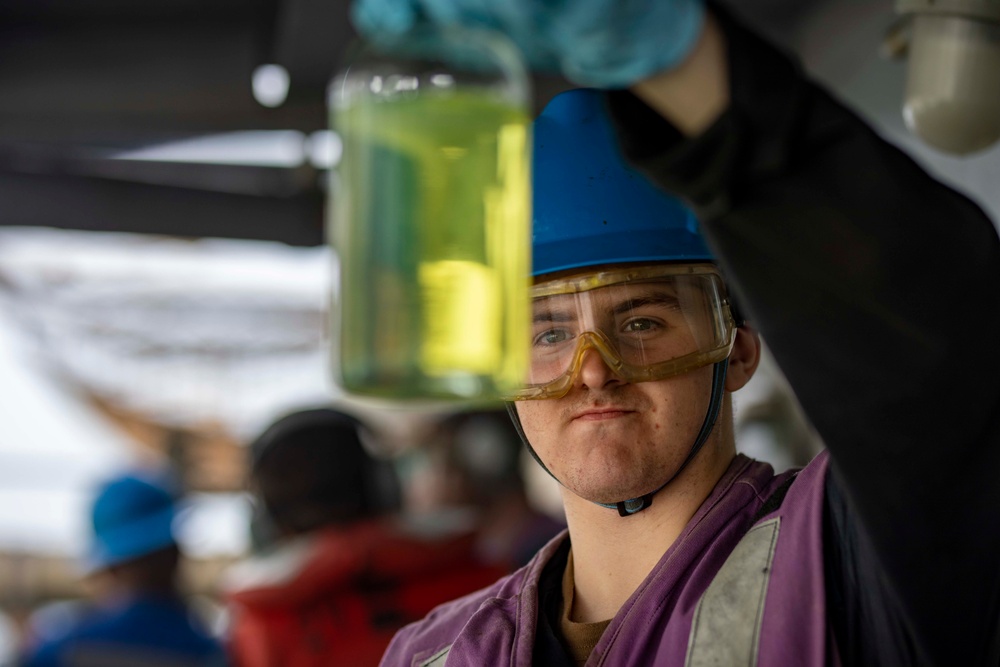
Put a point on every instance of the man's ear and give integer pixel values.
(744, 358)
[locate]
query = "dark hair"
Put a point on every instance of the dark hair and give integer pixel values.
(484, 447)
(311, 469)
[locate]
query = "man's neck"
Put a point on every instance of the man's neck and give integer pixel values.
(612, 555)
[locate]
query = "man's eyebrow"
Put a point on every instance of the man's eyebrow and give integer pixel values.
(553, 315)
(653, 299)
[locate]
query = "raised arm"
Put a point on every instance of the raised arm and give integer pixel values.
(878, 290)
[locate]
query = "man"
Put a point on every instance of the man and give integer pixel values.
(868, 279)
(342, 573)
(143, 619)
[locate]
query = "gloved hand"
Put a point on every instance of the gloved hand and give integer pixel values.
(602, 43)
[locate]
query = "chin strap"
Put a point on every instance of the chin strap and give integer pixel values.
(635, 505)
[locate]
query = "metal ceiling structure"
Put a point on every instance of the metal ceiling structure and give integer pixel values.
(108, 72)
(80, 80)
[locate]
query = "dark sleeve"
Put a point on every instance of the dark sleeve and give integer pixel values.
(868, 622)
(878, 290)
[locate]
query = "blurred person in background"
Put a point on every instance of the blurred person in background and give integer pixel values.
(337, 571)
(139, 618)
(478, 466)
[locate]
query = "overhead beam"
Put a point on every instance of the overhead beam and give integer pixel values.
(98, 204)
(124, 82)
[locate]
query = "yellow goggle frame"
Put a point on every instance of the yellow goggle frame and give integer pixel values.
(598, 341)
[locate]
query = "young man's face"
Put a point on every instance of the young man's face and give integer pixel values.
(608, 439)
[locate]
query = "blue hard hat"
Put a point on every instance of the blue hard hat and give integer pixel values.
(590, 207)
(132, 516)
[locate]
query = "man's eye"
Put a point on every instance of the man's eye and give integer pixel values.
(552, 337)
(640, 325)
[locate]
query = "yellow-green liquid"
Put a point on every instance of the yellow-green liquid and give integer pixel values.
(432, 229)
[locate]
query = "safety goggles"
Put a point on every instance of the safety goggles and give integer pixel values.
(646, 323)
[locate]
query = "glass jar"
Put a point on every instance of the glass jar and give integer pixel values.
(431, 216)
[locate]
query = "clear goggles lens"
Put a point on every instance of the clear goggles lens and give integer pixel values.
(646, 323)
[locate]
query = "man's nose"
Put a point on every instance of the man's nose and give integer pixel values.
(594, 372)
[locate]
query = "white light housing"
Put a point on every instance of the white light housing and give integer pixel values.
(270, 85)
(952, 99)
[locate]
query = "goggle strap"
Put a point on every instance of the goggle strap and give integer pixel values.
(630, 507)
(512, 411)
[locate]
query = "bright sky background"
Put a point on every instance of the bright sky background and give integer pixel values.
(76, 291)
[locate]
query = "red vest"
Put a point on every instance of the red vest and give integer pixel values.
(338, 597)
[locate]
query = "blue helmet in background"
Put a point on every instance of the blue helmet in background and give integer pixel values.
(132, 516)
(590, 207)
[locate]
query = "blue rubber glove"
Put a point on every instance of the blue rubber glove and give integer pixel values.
(601, 43)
